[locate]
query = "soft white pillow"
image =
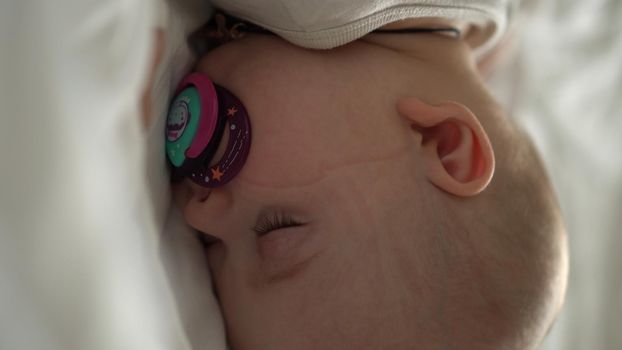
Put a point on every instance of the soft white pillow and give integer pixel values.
(80, 230)
(181, 252)
(79, 263)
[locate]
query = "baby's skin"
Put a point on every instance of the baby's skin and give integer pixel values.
(364, 217)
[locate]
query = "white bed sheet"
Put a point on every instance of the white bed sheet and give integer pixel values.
(181, 253)
(565, 87)
(79, 262)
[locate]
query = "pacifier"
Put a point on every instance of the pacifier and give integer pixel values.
(196, 122)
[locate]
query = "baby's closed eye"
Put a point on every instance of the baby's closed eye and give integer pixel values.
(281, 239)
(276, 247)
(274, 222)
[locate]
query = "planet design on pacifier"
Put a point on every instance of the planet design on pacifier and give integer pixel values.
(177, 120)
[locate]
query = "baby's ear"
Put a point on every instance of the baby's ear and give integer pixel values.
(458, 155)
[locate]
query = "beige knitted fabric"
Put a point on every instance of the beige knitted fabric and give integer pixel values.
(324, 24)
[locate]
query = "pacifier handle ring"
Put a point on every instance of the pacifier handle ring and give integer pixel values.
(209, 110)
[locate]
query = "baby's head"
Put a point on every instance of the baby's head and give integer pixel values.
(365, 216)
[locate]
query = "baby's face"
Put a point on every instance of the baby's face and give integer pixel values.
(311, 254)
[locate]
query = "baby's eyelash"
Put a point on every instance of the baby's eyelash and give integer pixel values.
(275, 222)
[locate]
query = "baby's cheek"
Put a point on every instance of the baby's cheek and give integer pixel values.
(288, 146)
(286, 165)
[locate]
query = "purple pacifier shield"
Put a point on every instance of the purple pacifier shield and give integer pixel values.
(238, 146)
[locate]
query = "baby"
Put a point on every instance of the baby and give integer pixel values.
(366, 215)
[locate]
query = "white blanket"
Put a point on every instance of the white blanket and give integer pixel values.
(80, 263)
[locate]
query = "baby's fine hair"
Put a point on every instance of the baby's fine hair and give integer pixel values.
(513, 242)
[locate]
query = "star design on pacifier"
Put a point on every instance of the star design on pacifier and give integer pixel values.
(231, 111)
(217, 174)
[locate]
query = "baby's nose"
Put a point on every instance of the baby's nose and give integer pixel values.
(185, 191)
(190, 197)
(198, 193)
(204, 208)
